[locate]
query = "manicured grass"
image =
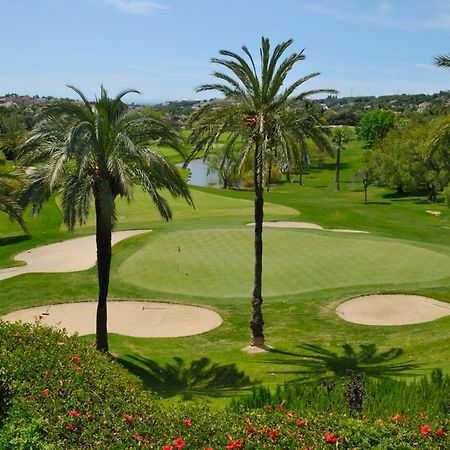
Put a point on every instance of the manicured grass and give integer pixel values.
(307, 273)
(218, 262)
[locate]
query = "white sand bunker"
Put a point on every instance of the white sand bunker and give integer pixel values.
(129, 318)
(308, 225)
(392, 309)
(72, 255)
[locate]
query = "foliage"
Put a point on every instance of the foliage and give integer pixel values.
(375, 125)
(67, 395)
(265, 118)
(11, 183)
(84, 152)
(368, 171)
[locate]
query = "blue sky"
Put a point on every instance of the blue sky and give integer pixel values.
(163, 47)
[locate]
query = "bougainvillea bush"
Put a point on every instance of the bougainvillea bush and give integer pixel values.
(56, 392)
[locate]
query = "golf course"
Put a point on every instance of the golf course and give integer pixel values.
(203, 257)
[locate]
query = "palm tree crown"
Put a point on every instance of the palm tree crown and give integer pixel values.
(83, 151)
(265, 116)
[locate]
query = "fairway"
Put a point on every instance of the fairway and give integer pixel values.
(219, 262)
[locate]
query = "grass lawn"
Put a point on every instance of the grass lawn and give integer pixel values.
(306, 274)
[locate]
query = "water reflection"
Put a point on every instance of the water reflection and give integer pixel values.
(199, 175)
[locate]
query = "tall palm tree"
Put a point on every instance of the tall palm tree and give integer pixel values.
(263, 113)
(11, 182)
(83, 151)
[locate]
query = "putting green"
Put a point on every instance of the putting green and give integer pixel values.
(219, 262)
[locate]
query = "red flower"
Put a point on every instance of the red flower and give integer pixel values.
(425, 430)
(44, 393)
(209, 448)
(301, 423)
(395, 418)
(167, 447)
(439, 432)
(70, 426)
(179, 443)
(330, 437)
(235, 444)
(136, 436)
(250, 429)
(187, 422)
(128, 418)
(75, 359)
(74, 413)
(273, 434)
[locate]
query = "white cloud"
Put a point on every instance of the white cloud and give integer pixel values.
(137, 7)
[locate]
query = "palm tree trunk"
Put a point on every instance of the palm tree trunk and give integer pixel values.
(338, 167)
(269, 178)
(257, 322)
(103, 239)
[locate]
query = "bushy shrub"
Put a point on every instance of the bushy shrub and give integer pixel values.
(59, 393)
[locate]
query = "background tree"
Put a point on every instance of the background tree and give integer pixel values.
(367, 173)
(375, 125)
(225, 160)
(83, 151)
(340, 137)
(263, 113)
(11, 183)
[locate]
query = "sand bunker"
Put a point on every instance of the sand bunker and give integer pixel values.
(308, 225)
(392, 309)
(72, 255)
(129, 318)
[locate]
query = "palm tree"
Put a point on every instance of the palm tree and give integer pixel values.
(442, 61)
(82, 151)
(441, 134)
(11, 182)
(263, 113)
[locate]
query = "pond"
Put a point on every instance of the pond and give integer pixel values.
(199, 175)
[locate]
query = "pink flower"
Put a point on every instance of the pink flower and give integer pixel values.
(74, 413)
(70, 426)
(330, 437)
(128, 418)
(395, 418)
(136, 436)
(167, 447)
(44, 393)
(301, 423)
(425, 430)
(187, 422)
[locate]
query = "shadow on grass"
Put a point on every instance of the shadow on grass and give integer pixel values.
(200, 378)
(9, 240)
(315, 362)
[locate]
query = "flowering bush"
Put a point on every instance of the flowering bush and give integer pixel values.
(59, 393)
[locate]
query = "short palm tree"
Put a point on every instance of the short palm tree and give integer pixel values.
(340, 138)
(83, 151)
(261, 113)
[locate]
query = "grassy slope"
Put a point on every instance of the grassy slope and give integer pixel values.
(310, 339)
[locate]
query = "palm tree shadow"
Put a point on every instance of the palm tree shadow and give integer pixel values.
(9, 240)
(200, 378)
(318, 362)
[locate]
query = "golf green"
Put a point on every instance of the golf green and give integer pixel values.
(219, 262)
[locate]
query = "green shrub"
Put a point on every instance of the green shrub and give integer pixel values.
(59, 393)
